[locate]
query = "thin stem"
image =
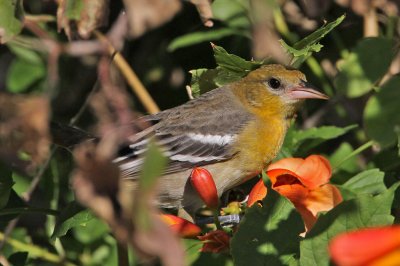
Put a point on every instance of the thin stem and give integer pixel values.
(216, 220)
(21, 210)
(130, 76)
(35, 251)
(123, 258)
(354, 153)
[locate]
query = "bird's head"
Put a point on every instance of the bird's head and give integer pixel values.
(275, 89)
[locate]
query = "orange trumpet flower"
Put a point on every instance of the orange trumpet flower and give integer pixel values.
(367, 247)
(304, 183)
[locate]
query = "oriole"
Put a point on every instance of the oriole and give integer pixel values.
(233, 131)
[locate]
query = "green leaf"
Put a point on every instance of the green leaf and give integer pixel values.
(233, 62)
(317, 35)
(199, 37)
(362, 68)
(230, 68)
(302, 54)
(14, 201)
(25, 54)
(341, 152)
(324, 132)
(364, 211)
(11, 19)
(196, 258)
(381, 114)
(305, 47)
(6, 183)
(22, 74)
(71, 216)
(367, 182)
(153, 165)
(317, 135)
(259, 239)
(235, 14)
(90, 231)
(202, 81)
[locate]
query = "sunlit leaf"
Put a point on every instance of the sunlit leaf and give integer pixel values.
(23, 74)
(381, 115)
(364, 211)
(230, 68)
(71, 216)
(314, 136)
(366, 182)
(233, 62)
(199, 37)
(305, 47)
(268, 235)
(234, 13)
(362, 68)
(341, 152)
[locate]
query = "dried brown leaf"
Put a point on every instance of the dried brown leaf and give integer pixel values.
(144, 15)
(80, 19)
(94, 16)
(205, 11)
(99, 186)
(266, 44)
(24, 128)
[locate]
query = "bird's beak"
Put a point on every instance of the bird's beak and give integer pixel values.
(306, 91)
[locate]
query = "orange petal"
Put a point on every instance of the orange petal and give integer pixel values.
(322, 199)
(182, 227)
(373, 246)
(290, 164)
(318, 200)
(287, 184)
(390, 259)
(258, 192)
(282, 176)
(314, 171)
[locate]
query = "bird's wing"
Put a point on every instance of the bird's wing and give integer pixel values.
(197, 133)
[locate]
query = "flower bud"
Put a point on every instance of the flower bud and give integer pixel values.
(180, 226)
(204, 184)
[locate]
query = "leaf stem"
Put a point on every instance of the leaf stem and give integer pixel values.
(354, 153)
(35, 251)
(21, 210)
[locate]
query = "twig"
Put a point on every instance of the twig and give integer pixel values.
(130, 76)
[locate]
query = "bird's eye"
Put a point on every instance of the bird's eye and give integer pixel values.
(274, 83)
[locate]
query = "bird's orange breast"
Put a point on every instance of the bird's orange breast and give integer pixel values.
(260, 142)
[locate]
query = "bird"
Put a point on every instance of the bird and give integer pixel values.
(233, 131)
